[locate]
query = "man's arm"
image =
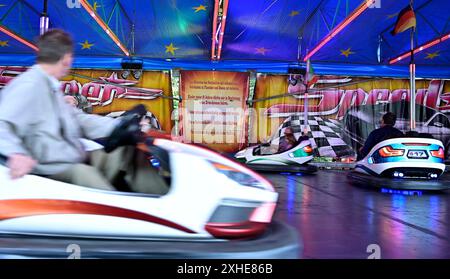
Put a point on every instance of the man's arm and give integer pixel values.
(368, 145)
(20, 165)
(18, 111)
(10, 143)
(95, 126)
(282, 146)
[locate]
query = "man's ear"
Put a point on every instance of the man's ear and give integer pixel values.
(67, 59)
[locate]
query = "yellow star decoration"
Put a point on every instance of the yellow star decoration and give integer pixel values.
(86, 45)
(346, 52)
(171, 48)
(199, 8)
(432, 55)
(391, 15)
(96, 6)
(4, 43)
(262, 50)
(294, 13)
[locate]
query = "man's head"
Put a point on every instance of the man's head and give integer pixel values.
(388, 119)
(288, 131)
(289, 135)
(55, 52)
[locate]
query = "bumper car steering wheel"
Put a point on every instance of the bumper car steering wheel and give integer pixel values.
(128, 131)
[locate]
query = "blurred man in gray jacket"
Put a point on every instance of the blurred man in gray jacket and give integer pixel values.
(40, 133)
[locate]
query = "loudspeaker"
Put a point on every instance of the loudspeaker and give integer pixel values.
(296, 71)
(132, 64)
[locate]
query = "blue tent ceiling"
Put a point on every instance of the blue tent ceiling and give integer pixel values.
(257, 31)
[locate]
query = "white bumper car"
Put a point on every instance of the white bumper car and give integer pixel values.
(211, 199)
(294, 160)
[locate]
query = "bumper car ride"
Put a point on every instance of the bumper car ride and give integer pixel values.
(211, 199)
(293, 160)
(403, 163)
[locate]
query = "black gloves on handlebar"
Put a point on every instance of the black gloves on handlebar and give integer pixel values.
(128, 131)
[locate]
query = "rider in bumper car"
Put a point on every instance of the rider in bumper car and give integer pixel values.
(41, 134)
(386, 131)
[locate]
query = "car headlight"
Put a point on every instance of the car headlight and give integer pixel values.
(238, 176)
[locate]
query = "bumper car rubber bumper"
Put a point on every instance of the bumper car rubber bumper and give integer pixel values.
(283, 168)
(365, 180)
(280, 241)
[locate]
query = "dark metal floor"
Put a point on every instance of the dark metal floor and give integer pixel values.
(338, 220)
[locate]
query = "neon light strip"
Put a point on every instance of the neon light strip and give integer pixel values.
(420, 48)
(17, 37)
(364, 6)
(222, 30)
(213, 44)
(105, 27)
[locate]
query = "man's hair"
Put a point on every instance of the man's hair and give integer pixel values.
(389, 118)
(53, 45)
(289, 130)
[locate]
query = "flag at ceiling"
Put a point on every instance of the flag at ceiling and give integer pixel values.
(406, 19)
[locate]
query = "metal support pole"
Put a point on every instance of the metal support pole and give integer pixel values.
(412, 81)
(305, 100)
(44, 20)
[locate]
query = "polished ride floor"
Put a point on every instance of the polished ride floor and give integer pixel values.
(337, 220)
(332, 218)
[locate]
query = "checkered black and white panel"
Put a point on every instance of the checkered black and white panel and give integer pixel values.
(324, 135)
(154, 123)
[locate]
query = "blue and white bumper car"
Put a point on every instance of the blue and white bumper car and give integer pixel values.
(403, 163)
